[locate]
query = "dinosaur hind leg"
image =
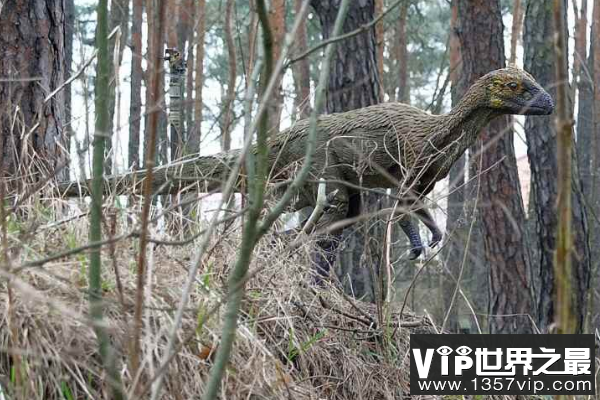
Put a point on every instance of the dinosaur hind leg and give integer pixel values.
(425, 217)
(412, 233)
(414, 204)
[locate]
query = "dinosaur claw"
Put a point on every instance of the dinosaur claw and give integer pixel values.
(435, 240)
(415, 252)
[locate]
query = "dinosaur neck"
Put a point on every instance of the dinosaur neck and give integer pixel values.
(466, 120)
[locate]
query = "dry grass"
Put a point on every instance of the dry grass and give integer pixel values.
(295, 340)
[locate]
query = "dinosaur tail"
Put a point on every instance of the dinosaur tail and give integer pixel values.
(200, 173)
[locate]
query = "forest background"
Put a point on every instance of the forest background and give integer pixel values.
(494, 272)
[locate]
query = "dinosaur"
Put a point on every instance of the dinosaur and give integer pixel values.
(388, 145)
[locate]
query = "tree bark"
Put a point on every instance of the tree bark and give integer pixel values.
(135, 107)
(155, 105)
(173, 22)
(500, 202)
(542, 154)
(580, 51)
(516, 30)
(175, 132)
(119, 16)
(189, 37)
(301, 68)
(453, 255)
(32, 38)
(232, 66)
(595, 159)
(403, 94)
(195, 134)
(380, 43)
(69, 35)
(354, 82)
(275, 102)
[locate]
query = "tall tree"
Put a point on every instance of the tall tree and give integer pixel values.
(232, 73)
(185, 43)
(135, 107)
(584, 148)
(101, 136)
(301, 68)
(517, 24)
(195, 133)
(69, 36)
(456, 198)
(541, 151)
(159, 106)
(379, 41)
(595, 159)
(175, 110)
(119, 17)
(275, 101)
(580, 50)
(354, 82)
(401, 54)
(500, 202)
(32, 38)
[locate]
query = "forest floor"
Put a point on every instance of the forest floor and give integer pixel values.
(295, 340)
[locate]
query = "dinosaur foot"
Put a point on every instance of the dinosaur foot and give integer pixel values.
(415, 252)
(435, 239)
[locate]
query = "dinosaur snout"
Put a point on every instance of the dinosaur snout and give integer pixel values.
(545, 103)
(541, 104)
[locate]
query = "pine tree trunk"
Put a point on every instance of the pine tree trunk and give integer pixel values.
(500, 202)
(185, 40)
(195, 134)
(580, 50)
(69, 35)
(32, 38)
(453, 254)
(275, 101)
(541, 151)
(301, 68)
(595, 160)
(355, 83)
(135, 107)
(517, 24)
(380, 43)
(155, 105)
(119, 16)
(175, 110)
(403, 94)
(232, 75)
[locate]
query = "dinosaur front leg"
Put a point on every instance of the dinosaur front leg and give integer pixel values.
(324, 256)
(335, 210)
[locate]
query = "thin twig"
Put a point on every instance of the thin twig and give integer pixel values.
(338, 38)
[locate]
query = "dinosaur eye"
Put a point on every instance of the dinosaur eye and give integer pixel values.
(512, 85)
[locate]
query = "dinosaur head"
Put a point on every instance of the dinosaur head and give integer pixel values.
(513, 91)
